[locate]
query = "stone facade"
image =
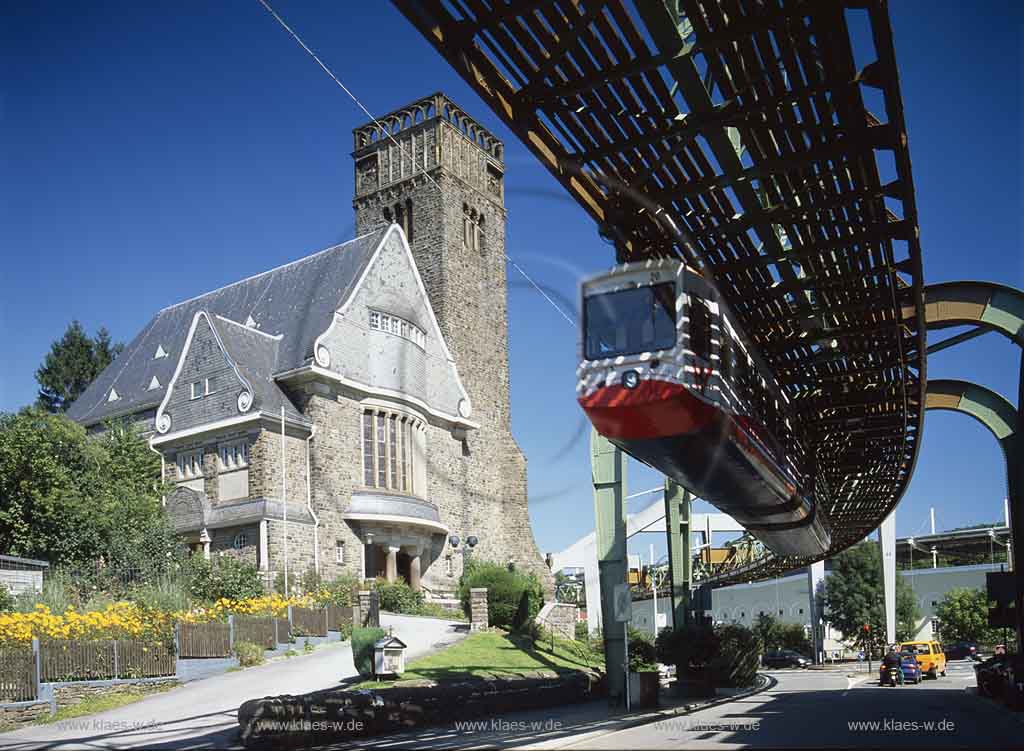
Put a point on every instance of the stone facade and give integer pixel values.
(456, 221)
(400, 335)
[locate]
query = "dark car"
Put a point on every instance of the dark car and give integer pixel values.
(908, 665)
(962, 650)
(784, 658)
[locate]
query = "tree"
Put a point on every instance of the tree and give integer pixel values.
(854, 596)
(963, 613)
(72, 364)
(71, 499)
(767, 630)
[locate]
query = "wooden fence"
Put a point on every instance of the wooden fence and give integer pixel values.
(18, 679)
(104, 659)
(255, 630)
(339, 616)
(204, 640)
(309, 621)
(283, 630)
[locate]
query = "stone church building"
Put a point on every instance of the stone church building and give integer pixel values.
(350, 410)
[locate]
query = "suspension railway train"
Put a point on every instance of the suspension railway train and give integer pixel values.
(667, 376)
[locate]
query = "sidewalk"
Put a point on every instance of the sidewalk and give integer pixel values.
(575, 724)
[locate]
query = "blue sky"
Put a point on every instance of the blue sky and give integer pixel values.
(152, 151)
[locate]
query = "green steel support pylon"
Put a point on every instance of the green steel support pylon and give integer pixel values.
(677, 529)
(608, 466)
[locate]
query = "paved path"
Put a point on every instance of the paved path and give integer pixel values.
(202, 714)
(804, 709)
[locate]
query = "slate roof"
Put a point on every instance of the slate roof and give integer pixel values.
(296, 300)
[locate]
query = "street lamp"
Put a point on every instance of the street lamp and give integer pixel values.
(467, 547)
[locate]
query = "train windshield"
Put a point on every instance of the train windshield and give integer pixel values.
(631, 321)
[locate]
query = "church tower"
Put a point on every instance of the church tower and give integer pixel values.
(440, 175)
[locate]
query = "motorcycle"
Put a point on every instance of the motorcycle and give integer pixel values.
(892, 675)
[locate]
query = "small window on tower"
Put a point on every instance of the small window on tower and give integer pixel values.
(339, 551)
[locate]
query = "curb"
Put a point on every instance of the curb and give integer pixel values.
(764, 683)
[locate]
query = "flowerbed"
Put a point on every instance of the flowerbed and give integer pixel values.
(128, 620)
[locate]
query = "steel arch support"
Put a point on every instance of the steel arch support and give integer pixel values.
(998, 415)
(995, 307)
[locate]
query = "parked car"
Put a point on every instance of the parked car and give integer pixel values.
(784, 658)
(930, 656)
(963, 650)
(908, 665)
(993, 676)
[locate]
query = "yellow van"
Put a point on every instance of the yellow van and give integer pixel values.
(929, 656)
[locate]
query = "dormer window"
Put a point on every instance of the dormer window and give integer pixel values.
(199, 389)
(398, 326)
(113, 396)
(160, 352)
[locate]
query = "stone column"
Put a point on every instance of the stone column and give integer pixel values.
(391, 567)
(414, 571)
(478, 609)
(364, 606)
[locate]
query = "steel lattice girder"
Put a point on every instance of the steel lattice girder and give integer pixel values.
(734, 134)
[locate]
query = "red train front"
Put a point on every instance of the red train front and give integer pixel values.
(666, 375)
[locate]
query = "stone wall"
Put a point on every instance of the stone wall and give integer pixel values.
(22, 713)
(300, 548)
(265, 466)
(560, 617)
(72, 693)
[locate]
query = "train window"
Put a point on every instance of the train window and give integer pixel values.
(725, 353)
(700, 328)
(630, 321)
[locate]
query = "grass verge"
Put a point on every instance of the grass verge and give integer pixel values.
(102, 703)
(497, 653)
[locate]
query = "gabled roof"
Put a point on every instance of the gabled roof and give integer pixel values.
(295, 302)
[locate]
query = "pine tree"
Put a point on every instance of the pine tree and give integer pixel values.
(72, 364)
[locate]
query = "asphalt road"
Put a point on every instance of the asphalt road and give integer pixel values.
(804, 709)
(203, 714)
(821, 709)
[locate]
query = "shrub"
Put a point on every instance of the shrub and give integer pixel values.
(794, 636)
(513, 597)
(737, 658)
(7, 600)
(643, 655)
(168, 593)
(690, 648)
(222, 577)
(310, 580)
(582, 633)
(58, 592)
(249, 654)
(339, 591)
(399, 597)
(362, 648)
(345, 631)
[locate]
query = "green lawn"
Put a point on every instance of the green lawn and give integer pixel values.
(496, 653)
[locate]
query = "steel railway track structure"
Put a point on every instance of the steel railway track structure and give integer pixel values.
(734, 134)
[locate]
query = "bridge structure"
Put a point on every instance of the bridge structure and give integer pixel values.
(734, 134)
